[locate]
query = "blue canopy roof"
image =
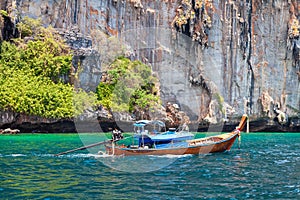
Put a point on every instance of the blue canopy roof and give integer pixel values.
(142, 123)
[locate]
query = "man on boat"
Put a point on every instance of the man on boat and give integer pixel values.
(185, 127)
(117, 135)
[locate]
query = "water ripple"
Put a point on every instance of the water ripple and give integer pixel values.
(266, 167)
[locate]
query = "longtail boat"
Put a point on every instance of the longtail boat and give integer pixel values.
(212, 144)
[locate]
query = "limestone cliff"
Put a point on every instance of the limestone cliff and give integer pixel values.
(215, 58)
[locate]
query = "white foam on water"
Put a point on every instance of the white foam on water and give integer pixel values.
(100, 155)
(17, 155)
(280, 162)
(44, 155)
(13, 155)
(82, 155)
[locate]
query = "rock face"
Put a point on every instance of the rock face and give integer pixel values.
(246, 53)
(86, 60)
(34, 124)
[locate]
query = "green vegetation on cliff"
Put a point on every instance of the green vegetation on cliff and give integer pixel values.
(34, 71)
(128, 86)
(31, 68)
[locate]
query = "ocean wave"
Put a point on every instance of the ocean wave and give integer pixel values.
(280, 162)
(15, 155)
(82, 155)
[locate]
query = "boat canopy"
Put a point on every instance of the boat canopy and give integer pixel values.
(142, 123)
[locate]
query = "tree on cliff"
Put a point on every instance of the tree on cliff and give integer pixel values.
(128, 86)
(31, 68)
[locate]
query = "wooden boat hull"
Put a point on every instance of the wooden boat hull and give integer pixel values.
(203, 148)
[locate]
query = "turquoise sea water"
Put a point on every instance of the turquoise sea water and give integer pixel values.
(267, 166)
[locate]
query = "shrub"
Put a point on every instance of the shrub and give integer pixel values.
(30, 75)
(129, 86)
